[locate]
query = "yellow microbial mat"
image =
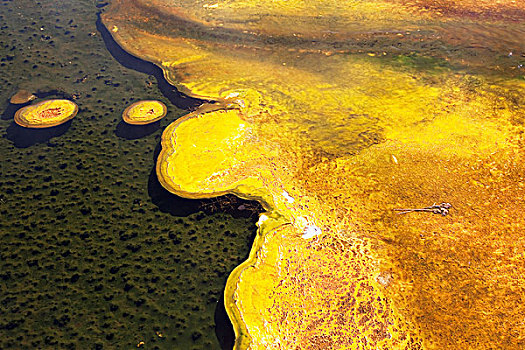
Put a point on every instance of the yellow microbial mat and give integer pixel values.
(385, 140)
(46, 114)
(144, 112)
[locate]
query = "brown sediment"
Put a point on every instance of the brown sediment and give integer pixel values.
(21, 97)
(144, 112)
(46, 114)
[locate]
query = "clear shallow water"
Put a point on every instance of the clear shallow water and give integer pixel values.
(93, 252)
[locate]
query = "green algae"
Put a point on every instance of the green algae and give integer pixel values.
(90, 255)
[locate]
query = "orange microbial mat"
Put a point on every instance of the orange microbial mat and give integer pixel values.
(336, 116)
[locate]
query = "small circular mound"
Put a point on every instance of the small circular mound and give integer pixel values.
(21, 97)
(144, 112)
(46, 113)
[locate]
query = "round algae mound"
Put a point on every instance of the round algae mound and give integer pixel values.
(144, 112)
(46, 113)
(21, 97)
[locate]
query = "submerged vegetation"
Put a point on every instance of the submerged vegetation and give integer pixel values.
(94, 253)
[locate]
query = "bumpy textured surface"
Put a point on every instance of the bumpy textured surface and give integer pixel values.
(94, 253)
(332, 114)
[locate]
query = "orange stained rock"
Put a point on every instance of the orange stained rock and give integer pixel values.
(46, 113)
(333, 114)
(144, 112)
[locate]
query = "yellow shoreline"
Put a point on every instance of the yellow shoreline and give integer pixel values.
(448, 139)
(242, 337)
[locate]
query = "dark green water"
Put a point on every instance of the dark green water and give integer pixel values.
(94, 254)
